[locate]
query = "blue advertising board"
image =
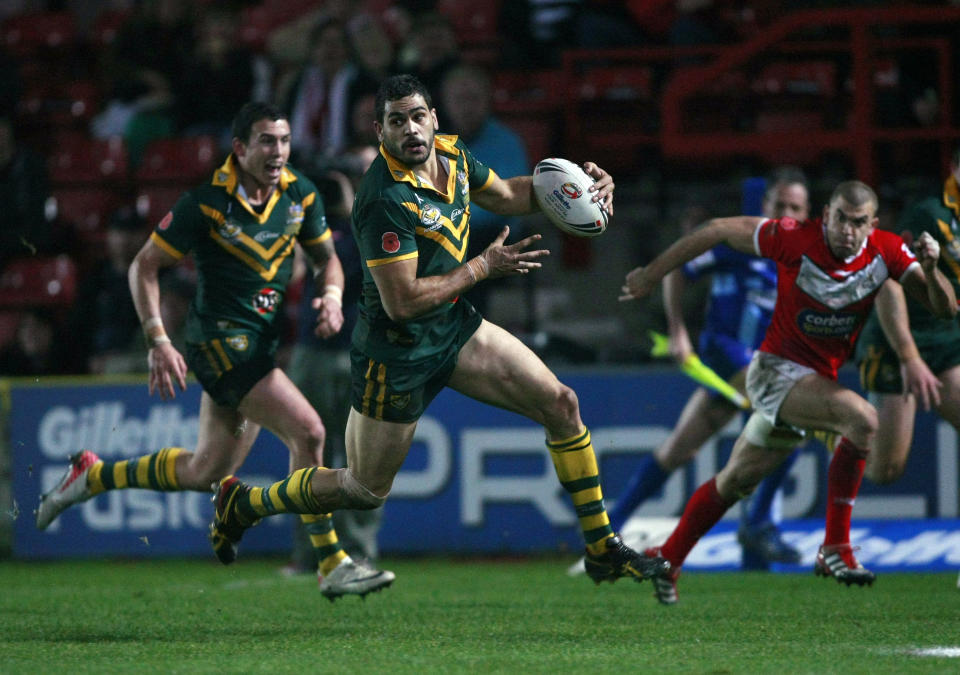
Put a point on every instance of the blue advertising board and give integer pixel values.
(477, 479)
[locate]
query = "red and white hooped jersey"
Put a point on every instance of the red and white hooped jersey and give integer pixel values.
(823, 301)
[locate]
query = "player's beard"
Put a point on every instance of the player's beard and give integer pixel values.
(407, 157)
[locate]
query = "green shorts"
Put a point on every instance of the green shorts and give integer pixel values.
(399, 391)
(880, 367)
(229, 365)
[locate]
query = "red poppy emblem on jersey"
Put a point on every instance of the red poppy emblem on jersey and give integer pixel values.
(165, 223)
(788, 223)
(390, 242)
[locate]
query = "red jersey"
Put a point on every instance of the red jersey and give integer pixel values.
(822, 301)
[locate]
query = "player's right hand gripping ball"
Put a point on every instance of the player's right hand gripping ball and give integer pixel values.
(562, 190)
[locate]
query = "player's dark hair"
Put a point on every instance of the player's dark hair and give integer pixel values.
(397, 87)
(250, 114)
(855, 193)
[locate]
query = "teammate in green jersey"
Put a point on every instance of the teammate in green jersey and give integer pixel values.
(417, 335)
(241, 227)
(927, 342)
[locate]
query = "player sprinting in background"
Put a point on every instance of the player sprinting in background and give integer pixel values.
(742, 295)
(934, 341)
(416, 334)
(829, 272)
(241, 227)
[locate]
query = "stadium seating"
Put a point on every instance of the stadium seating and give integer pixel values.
(81, 160)
(36, 282)
(178, 160)
(154, 201)
(86, 210)
(33, 33)
(9, 320)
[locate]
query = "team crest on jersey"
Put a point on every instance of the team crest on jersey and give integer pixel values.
(295, 216)
(390, 242)
(399, 401)
(266, 301)
(228, 229)
(462, 179)
(238, 342)
(430, 217)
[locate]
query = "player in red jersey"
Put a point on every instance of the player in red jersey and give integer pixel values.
(829, 271)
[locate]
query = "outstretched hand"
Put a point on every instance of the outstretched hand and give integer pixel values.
(511, 259)
(638, 284)
(920, 381)
(166, 366)
(602, 189)
(329, 317)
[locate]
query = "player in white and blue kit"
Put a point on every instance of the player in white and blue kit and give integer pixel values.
(741, 301)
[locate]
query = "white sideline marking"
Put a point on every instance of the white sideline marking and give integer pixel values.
(943, 652)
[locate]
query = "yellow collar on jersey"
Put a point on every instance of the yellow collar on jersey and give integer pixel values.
(228, 176)
(403, 174)
(951, 195)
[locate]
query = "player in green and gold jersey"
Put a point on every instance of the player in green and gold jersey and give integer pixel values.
(923, 341)
(416, 334)
(241, 227)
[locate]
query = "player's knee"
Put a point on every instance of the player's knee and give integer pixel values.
(356, 495)
(761, 432)
(884, 473)
(862, 427)
(563, 408)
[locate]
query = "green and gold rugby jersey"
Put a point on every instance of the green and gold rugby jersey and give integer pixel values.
(397, 216)
(244, 258)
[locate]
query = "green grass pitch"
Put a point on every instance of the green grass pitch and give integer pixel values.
(449, 615)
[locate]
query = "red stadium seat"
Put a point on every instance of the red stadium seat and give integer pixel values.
(35, 32)
(86, 210)
(804, 78)
(106, 26)
(473, 22)
(179, 159)
(154, 201)
(59, 105)
(79, 160)
(9, 321)
(616, 83)
(48, 281)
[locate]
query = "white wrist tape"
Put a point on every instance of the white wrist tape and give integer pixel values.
(334, 293)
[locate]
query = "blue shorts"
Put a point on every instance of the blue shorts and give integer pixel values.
(725, 355)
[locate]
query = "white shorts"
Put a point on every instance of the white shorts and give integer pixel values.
(769, 379)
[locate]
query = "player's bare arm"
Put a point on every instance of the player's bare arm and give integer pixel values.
(166, 363)
(736, 232)
(927, 284)
(680, 345)
(514, 196)
(329, 281)
(406, 296)
(917, 377)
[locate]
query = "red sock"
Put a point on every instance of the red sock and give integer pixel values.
(704, 510)
(843, 483)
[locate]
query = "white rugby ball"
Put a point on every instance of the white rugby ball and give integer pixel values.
(561, 188)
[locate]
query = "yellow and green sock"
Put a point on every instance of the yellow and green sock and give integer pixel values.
(576, 467)
(151, 472)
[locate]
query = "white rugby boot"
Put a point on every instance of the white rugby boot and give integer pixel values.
(354, 577)
(72, 489)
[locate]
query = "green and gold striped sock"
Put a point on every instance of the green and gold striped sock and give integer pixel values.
(324, 540)
(576, 466)
(152, 472)
(293, 494)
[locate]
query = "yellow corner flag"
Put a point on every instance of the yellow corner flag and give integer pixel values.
(698, 371)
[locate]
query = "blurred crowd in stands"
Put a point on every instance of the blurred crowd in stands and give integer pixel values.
(109, 110)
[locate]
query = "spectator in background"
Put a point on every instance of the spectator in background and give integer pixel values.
(430, 50)
(466, 95)
(153, 49)
(23, 194)
(35, 350)
(373, 52)
(104, 327)
(317, 96)
(221, 77)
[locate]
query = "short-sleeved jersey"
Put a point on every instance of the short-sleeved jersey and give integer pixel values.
(398, 216)
(743, 291)
(822, 301)
(243, 255)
